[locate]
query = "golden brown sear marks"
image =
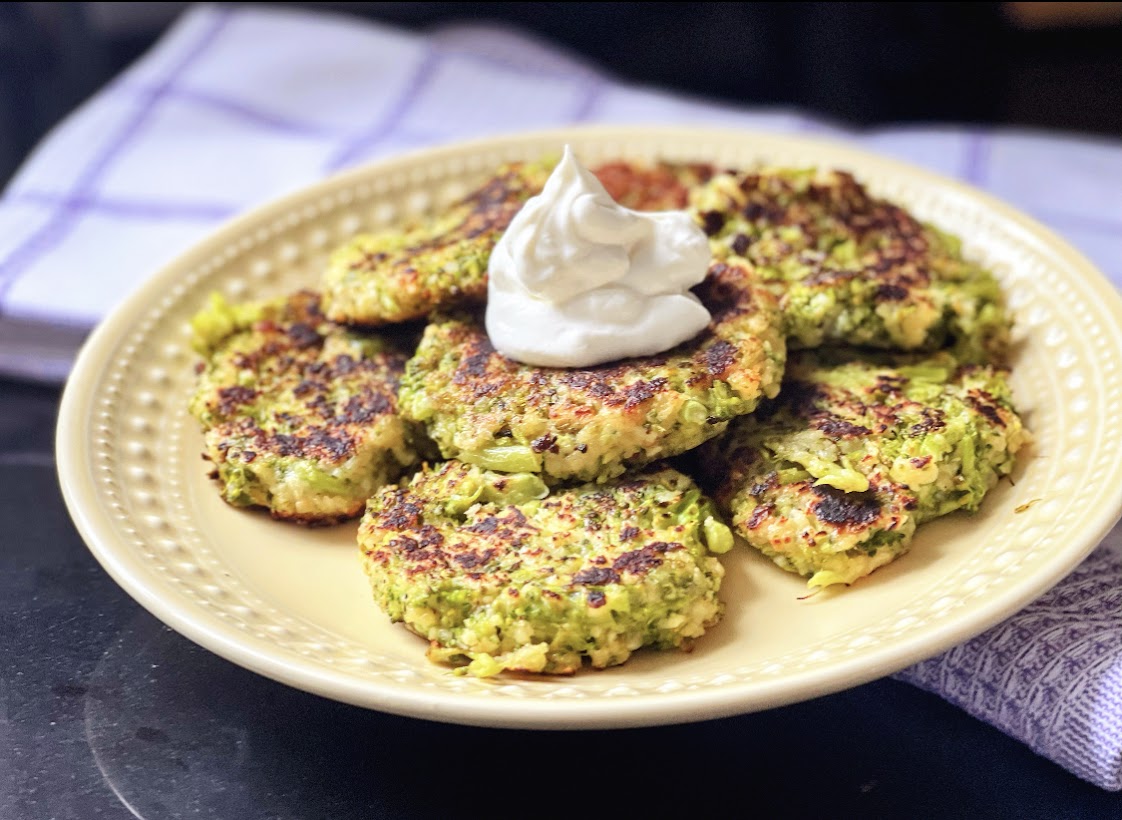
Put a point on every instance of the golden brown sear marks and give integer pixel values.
(497, 573)
(660, 186)
(593, 423)
(300, 415)
(441, 264)
(852, 268)
(401, 275)
(832, 478)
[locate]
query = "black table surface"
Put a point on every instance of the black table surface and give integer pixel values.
(106, 713)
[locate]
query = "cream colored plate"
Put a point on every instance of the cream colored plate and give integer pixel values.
(293, 604)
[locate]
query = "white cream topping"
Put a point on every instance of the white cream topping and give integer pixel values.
(578, 280)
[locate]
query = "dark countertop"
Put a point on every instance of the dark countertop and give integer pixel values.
(106, 713)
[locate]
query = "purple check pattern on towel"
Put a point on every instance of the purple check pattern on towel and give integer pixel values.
(235, 107)
(1050, 676)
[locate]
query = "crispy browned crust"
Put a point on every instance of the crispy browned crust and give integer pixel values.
(661, 186)
(835, 474)
(295, 395)
(441, 265)
(833, 206)
(850, 267)
(400, 276)
(327, 400)
(474, 398)
(476, 565)
(483, 372)
(314, 521)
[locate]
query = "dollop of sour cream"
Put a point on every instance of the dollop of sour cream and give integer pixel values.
(578, 280)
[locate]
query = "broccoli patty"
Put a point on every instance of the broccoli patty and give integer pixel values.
(831, 479)
(397, 276)
(300, 415)
(853, 269)
(400, 275)
(591, 424)
(496, 573)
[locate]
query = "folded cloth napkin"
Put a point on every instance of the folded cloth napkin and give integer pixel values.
(1050, 676)
(266, 101)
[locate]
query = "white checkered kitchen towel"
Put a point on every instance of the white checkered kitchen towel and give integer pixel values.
(266, 101)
